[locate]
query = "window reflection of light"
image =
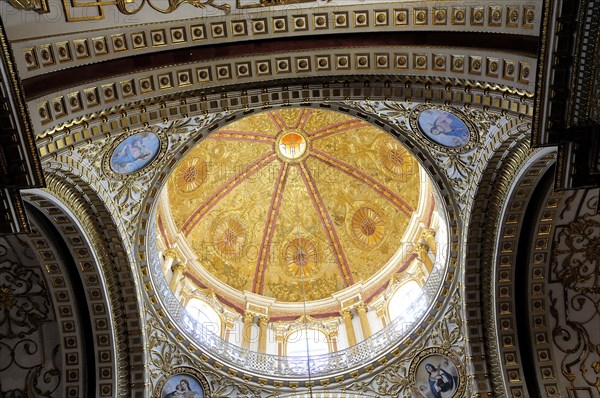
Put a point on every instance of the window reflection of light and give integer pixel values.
(317, 343)
(403, 299)
(207, 319)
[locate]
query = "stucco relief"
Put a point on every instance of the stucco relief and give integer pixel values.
(574, 295)
(29, 343)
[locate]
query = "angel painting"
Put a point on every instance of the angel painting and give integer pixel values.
(444, 128)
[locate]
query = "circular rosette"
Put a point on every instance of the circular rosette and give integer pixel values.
(229, 237)
(301, 257)
(190, 175)
(396, 159)
(367, 226)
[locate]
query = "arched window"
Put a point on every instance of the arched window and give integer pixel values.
(296, 343)
(205, 316)
(402, 302)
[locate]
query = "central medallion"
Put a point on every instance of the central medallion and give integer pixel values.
(292, 145)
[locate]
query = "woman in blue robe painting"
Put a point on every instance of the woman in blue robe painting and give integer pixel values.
(441, 383)
(444, 128)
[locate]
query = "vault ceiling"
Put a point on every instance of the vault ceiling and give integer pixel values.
(297, 204)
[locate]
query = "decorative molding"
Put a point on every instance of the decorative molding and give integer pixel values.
(96, 223)
(20, 166)
(387, 63)
(509, 151)
(39, 6)
(505, 268)
(540, 258)
(75, 11)
(39, 55)
(124, 118)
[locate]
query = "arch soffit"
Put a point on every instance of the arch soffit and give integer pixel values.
(78, 213)
(508, 161)
(506, 265)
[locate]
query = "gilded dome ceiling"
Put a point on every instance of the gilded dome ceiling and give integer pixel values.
(295, 204)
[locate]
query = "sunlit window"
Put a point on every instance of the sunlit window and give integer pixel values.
(207, 319)
(403, 300)
(297, 343)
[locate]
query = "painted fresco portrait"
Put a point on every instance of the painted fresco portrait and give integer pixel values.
(135, 152)
(437, 377)
(444, 128)
(182, 386)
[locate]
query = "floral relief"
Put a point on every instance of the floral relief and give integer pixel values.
(577, 255)
(23, 300)
(574, 295)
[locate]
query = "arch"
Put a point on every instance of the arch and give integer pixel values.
(307, 341)
(512, 157)
(207, 319)
(536, 173)
(90, 221)
(401, 301)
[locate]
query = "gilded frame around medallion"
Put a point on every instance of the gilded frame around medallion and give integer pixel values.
(453, 113)
(161, 141)
(178, 374)
(442, 361)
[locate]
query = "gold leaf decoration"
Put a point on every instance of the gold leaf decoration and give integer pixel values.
(301, 257)
(367, 226)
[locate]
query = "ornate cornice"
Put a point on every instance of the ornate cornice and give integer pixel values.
(20, 165)
(502, 71)
(147, 32)
(565, 99)
(134, 115)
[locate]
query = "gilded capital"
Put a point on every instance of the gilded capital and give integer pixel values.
(178, 267)
(346, 314)
(263, 321)
(362, 307)
(428, 233)
(421, 249)
(248, 317)
(170, 253)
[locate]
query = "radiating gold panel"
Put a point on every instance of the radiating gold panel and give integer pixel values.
(295, 228)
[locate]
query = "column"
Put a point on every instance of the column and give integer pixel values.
(347, 317)
(227, 327)
(361, 309)
(333, 341)
(170, 255)
(381, 313)
(263, 323)
(247, 331)
(279, 338)
(178, 270)
(429, 237)
(421, 251)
